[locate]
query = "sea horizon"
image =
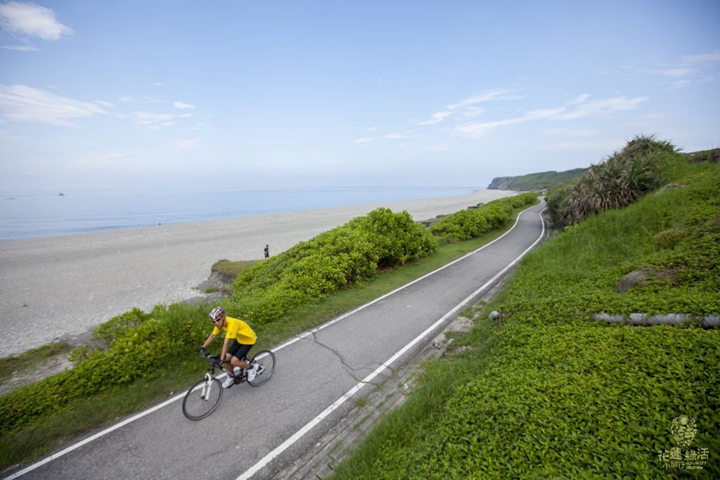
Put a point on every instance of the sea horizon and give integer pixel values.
(47, 213)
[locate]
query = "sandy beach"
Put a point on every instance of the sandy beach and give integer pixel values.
(62, 287)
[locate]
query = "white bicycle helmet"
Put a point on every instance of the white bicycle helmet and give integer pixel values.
(217, 314)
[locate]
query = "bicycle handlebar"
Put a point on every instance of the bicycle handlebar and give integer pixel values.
(214, 359)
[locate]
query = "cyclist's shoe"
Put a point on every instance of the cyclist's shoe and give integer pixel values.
(229, 382)
(252, 372)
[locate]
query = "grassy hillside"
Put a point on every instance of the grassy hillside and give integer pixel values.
(552, 393)
(534, 182)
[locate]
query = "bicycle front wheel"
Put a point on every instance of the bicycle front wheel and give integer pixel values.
(203, 398)
(266, 367)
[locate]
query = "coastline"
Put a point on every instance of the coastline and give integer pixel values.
(62, 287)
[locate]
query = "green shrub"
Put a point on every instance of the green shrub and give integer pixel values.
(330, 262)
(120, 326)
(155, 340)
(472, 223)
(618, 182)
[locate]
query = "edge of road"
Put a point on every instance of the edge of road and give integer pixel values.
(413, 366)
(333, 447)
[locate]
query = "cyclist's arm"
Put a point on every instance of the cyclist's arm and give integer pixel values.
(226, 344)
(209, 341)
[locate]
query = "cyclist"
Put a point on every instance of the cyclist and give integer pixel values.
(242, 337)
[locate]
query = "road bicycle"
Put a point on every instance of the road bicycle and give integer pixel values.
(204, 397)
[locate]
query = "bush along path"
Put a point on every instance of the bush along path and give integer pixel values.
(129, 349)
(551, 392)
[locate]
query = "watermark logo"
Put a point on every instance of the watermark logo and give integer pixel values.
(683, 431)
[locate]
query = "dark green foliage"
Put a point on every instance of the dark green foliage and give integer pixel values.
(580, 403)
(472, 223)
(138, 344)
(618, 182)
(332, 261)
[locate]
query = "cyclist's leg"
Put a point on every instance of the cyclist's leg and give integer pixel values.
(238, 352)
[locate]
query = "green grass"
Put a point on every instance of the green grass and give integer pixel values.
(86, 414)
(552, 394)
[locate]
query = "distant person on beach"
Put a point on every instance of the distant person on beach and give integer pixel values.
(243, 338)
(267, 251)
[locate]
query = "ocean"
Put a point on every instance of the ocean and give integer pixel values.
(44, 214)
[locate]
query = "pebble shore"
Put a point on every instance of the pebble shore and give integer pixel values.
(62, 287)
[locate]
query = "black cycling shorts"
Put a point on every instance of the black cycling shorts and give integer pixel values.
(239, 350)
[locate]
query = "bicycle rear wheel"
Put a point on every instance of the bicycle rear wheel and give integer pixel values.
(266, 367)
(202, 399)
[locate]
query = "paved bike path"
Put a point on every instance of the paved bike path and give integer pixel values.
(312, 374)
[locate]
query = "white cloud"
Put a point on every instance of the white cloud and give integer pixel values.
(104, 104)
(702, 58)
(28, 19)
(20, 48)
(690, 70)
(372, 129)
(22, 103)
(200, 126)
(183, 106)
(401, 136)
(467, 108)
(673, 72)
(186, 144)
(579, 99)
(680, 84)
(470, 112)
(475, 130)
(486, 97)
(437, 117)
(158, 119)
(578, 110)
(438, 148)
(144, 100)
(360, 141)
(608, 105)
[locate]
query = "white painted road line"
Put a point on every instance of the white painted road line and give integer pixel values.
(299, 337)
(299, 434)
(95, 437)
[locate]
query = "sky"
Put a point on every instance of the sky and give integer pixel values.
(277, 94)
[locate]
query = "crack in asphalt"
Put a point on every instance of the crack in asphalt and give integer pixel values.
(348, 368)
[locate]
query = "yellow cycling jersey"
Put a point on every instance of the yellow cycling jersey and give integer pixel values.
(238, 330)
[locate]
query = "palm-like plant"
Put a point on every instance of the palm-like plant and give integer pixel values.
(622, 179)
